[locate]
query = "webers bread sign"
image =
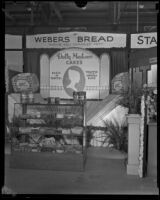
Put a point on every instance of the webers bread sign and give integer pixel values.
(144, 40)
(76, 39)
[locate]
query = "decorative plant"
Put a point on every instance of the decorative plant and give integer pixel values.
(89, 135)
(151, 102)
(132, 100)
(116, 135)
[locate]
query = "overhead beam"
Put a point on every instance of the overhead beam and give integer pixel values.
(55, 8)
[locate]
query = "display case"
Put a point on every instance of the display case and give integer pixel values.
(48, 136)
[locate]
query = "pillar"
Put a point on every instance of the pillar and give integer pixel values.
(133, 143)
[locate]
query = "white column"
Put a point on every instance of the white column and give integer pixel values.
(133, 143)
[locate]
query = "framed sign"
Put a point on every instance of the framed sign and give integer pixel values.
(74, 70)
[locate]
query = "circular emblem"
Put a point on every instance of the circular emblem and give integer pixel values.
(73, 80)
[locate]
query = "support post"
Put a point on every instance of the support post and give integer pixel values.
(133, 143)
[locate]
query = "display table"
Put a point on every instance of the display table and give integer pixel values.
(48, 136)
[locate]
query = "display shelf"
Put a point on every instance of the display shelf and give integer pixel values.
(62, 138)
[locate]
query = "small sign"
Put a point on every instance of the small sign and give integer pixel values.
(25, 82)
(143, 40)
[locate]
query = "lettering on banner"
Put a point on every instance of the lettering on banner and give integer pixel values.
(146, 40)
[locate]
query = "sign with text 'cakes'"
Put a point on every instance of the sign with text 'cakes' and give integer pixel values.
(120, 83)
(74, 70)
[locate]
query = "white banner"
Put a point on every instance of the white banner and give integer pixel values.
(74, 70)
(76, 39)
(143, 40)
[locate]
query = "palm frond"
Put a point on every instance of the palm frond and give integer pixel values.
(116, 134)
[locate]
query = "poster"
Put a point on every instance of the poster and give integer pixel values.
(74, 70)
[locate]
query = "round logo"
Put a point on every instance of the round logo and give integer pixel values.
(73, 80)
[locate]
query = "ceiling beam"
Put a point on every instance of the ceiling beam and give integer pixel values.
(55, 8)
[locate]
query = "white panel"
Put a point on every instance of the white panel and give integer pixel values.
(152, 76)
(13, 42)
(76, 39)
(104, 75)
(44, 76)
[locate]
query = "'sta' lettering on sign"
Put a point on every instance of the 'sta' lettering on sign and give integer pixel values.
(146, 39)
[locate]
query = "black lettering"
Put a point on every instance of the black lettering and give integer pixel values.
(54, 39)
(49, 39)
(80, 39)
(147, 37)
(139, 39)
(153, 40)
(86, 38)
(94, 39)
(60, 39)
(66, 39)
(101, 38)
(38, 39)
(109, 38)
(75, 55)
(44, 39)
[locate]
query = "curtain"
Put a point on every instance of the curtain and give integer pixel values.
(32, 64)
(141, 57)
(119, 61)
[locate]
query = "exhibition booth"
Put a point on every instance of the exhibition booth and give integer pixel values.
(66, 85)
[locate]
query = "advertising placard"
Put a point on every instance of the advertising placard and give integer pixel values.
(74, 70)
(76, 39)
(143, 40)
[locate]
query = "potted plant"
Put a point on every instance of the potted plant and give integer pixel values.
(116, 135)
(151, 102)
(132, 101)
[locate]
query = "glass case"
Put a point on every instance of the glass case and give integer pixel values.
(49, 128)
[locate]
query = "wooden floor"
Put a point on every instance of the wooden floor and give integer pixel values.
(105, 173)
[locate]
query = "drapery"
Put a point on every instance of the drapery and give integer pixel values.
(141, 57)
(32, 63)
(119, 61)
